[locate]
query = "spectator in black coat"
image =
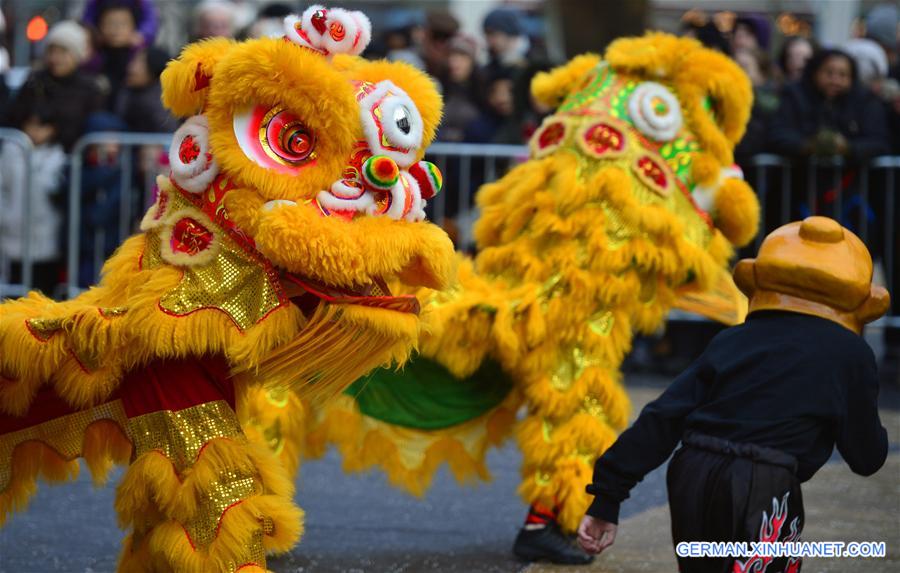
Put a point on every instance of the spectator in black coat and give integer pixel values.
(462, 89)
(118, 40)
(140, 103)
(829, 113)
(60, 86)
(765, 102)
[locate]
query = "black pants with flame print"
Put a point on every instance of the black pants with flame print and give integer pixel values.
(722, 491)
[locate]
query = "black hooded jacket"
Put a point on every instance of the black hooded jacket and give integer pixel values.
(857, 115)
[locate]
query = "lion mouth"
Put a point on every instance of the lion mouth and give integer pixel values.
(374, 295)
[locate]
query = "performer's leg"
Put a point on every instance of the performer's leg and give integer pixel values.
(717, 497)
(572, 418)
(278, 418)
(200, 498)
(774, 514)
(542, 539)
(701, 505)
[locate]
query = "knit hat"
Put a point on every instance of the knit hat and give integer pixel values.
(503, 20)
(881, 24)
(759, 26)
(464, 44)
(72, 37)
(871, 61)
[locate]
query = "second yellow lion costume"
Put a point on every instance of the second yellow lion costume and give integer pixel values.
(628, 206)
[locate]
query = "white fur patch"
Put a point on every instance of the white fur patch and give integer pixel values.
(196, 175)
(705, 197)
(392, 104)
(339, 31)
(417, 209)
(361, 204)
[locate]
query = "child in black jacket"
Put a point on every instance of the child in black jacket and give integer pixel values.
(761, 410)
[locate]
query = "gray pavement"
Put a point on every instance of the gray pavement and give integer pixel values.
(358, 523)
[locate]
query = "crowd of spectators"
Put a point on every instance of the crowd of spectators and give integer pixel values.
(100, 70)
(811, 103)
(813, 100)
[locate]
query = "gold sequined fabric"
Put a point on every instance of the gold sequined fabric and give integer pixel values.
(232, 282)
(44, 328)
(230, 488)
(180, 435)
(65, 435)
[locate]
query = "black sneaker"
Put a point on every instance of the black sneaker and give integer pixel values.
(549, 543)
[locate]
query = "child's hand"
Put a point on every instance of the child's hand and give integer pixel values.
(595, 535)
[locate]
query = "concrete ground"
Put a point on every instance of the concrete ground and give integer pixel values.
(358, 523)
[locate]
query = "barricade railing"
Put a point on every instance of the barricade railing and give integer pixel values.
(465, 167)
(127, 144)
(863, 198)
(8, 287)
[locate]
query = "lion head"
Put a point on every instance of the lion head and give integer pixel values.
(308, 160)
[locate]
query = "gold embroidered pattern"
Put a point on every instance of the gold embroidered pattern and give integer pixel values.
(229, 489)
(594, 407)
(113, 311)
(602, 322)
(44, 328)
(570, 369)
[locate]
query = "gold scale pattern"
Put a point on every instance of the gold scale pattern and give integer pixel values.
(180, 435)
(232, 282)
(65, 435)
(88, 356)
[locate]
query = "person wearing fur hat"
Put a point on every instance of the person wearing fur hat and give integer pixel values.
(60, 85)
(764, 406)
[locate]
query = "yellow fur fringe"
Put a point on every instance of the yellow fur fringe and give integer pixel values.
(410, 457)
(157, 502)
(104, 444)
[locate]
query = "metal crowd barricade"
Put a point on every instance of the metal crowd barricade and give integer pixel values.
(829, 186)
(466, 166)
(128, 143)
(22, 286)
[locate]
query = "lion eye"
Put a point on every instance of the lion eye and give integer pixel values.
(287, 138)
(275, 138)
(296, 144)
(401, 119)
(391, 122)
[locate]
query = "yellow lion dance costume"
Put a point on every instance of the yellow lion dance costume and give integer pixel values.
(264, 258)
(628, 206)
